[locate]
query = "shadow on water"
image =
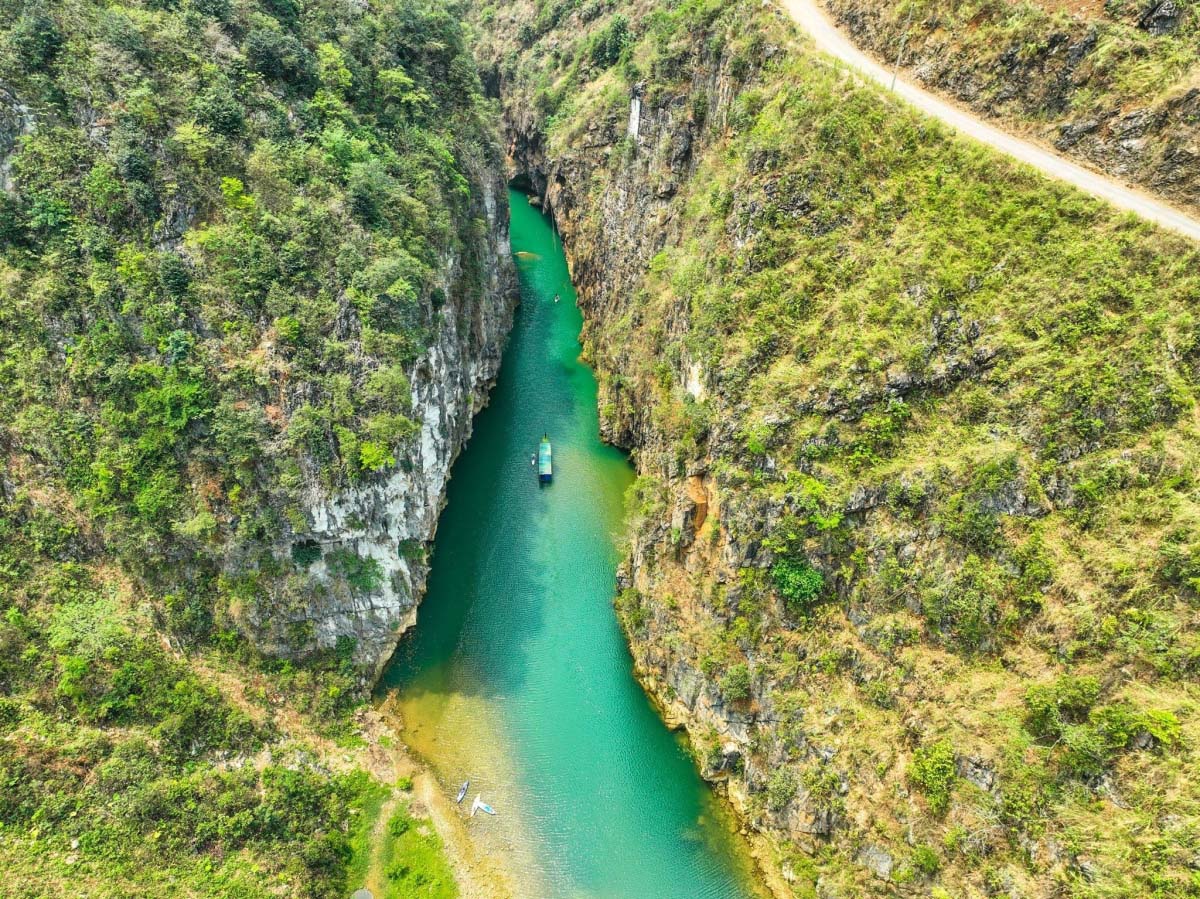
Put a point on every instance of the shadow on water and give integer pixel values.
(517, 674)
(495, 472)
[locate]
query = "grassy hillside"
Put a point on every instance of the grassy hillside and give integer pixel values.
(1137, 54)
(225, 234)
(130, 768)
(916, 529)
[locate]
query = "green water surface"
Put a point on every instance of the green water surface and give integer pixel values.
(517, 675)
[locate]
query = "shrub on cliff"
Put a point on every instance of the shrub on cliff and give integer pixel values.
(1051, 708)
(933, 772)
(1085, 738)
(798, 583)
(781, 788)
(610, 43)
(363, 573)
(735, 683)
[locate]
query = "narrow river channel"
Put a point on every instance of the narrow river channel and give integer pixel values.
(517, 675)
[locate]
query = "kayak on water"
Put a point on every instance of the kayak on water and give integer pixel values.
(462, 791)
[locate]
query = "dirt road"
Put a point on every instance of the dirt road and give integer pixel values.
(829, 39)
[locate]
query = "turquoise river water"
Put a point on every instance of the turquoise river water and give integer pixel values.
(517, 675)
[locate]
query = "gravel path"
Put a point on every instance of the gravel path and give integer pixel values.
(829, 39)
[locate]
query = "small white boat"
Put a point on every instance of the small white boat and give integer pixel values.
(462, 791)
(480, 806)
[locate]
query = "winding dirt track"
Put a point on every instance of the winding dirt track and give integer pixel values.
(829, 39)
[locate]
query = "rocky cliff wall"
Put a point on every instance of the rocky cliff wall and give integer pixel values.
(15, 121)
(392, 519)
(859, 487)
(279, 299)
(647, 145)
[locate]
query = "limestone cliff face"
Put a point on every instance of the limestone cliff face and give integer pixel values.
(304, 285)
(391, 519)
(692, 540)
(15, 121)
(650, 145)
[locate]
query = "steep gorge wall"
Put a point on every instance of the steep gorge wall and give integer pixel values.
(648, 149)
(278, 299)
(859, 535)
(392, 519)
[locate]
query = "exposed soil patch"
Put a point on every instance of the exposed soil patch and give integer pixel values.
(1083, 9)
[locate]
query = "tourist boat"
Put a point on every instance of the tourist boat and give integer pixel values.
(480, 806)
(462, 791)
(545, 469)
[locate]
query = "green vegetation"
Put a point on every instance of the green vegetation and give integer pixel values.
(1131, 62)
(394, 854)
(609, 44)
(933, 771)
(1086, 737)
(735, 683)
(413, 863)
(223, 252)
(223, 249)
(362, 574)
(925, 860)
(798, 583)
(944, 414)
(781, 789)
(122, 769)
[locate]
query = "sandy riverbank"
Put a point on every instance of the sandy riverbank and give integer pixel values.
(478, 876)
